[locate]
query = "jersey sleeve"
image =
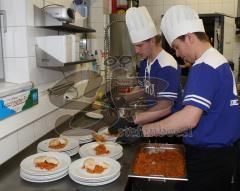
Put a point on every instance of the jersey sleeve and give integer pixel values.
(172, 78)
(201, 87)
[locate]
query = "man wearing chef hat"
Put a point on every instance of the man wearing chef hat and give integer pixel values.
(156, 64)
(210, 104)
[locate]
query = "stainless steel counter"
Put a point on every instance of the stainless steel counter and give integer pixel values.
(10, 178)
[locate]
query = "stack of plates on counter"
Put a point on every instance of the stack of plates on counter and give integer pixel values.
(106, 135)
(31, 173)
(115, 150)
(71, 148)
(79, 173)
(82, 135)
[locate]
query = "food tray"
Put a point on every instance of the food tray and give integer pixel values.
(155, 161)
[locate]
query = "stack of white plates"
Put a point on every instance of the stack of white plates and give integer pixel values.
(80, 175)
(115, 150)
(71, 148)
(30, 173)
(107, 136)
(82, 135)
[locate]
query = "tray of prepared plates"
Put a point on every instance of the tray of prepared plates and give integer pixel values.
(156, 161)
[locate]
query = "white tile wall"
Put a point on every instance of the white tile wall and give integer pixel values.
(16, 70)
(8, 147)
(217, 7)
(229, 31)
(14, 42)
(96, 15)
(42, 75)
(99, 27)
(30, 10)
(25, 136)
(98, 44)
(228, 8)
(16, 12)
(50, 121)
(157, 3)
(97, 3)
(40, 128)
(16, 142)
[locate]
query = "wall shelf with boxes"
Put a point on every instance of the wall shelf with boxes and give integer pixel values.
(47, 53)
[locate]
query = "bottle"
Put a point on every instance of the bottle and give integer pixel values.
(97, 61)
(94, 64)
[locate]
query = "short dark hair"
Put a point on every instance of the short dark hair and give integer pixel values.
(158, 39)
(202, 36)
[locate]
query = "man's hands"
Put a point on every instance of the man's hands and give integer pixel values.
(130, 135)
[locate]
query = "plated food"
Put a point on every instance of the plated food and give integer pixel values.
(104, 135)
(46, 162)
(101, 149)
(57, 143)
(45, 167)
(94, 171)
(106, 149)
(98, 137)
(94, 167)
(67, 145)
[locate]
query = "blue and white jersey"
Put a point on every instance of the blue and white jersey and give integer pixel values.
(164, 68)
(211, 87)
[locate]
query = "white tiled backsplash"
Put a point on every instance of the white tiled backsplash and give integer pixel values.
(8, 147)
(21, 68)
(17, 141)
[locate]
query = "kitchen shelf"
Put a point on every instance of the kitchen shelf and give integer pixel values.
(44, 20)
(70, 28)
(47, 61)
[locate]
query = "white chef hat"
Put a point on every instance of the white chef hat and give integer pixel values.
(180, 20)
(140, 24)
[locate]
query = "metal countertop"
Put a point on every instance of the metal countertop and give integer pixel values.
(11, 180)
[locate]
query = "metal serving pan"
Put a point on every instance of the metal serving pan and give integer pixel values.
(151, 148)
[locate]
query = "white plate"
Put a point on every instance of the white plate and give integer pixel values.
(89, 149)
(69, 152)
(79, 134)
(85, 141)
(95, 183)
(71, 144)
(28, 166)
(116, 157)
(44, 177)
(42, 181)
(107, 136)
(96, 114)
(76, 170)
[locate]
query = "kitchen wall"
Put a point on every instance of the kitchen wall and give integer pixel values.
(20, 130)
(19, 41)
(17, 132)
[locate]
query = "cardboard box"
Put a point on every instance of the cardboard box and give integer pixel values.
(12, 104)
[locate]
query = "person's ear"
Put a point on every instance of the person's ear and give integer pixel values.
(152, 40)
(190, 37)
